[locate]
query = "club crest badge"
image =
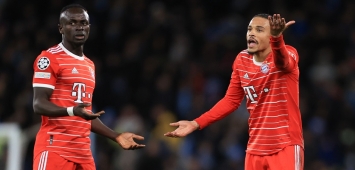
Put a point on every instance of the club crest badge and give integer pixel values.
(43, 63)
(92, 73)
(264, 68)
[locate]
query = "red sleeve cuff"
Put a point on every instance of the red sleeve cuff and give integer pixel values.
(201, 122)
(277, 42)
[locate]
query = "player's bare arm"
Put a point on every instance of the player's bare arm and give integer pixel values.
(126, 140)
(278, 25)
(184, 128)
(42, 106)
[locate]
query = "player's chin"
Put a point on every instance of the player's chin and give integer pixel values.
(251, 50)
(79, 42)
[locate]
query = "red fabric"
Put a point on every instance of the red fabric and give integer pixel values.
(290, 158)
(72, 79)
(272, 95)
(52, 161)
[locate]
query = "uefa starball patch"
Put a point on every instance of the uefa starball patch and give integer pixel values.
(43, 63)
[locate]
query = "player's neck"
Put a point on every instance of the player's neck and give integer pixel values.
(260, 56)
(73, 48)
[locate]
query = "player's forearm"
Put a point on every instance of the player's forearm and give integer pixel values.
(222, 109)
(279, 50)
(47, 108)
(99, 128)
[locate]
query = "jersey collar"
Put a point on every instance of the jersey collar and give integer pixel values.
(70, 53)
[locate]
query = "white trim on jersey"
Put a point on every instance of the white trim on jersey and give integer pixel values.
(70, 53)
(257, 62)
(297, 158)
(42, 85)
(43, 161)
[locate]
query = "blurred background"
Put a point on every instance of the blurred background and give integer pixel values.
(161, 61)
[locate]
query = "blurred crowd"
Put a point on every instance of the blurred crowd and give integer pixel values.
(162, 61)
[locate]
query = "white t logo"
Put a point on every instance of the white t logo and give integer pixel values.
(250, 93)
(79, 91)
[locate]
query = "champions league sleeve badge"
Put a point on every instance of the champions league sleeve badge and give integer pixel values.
(43, 63)
(264, 68)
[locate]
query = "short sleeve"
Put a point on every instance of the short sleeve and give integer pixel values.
(45, 71)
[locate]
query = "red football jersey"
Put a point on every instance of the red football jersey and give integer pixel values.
(72, 79)
(272, 95)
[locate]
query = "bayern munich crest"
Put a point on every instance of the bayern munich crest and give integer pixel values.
(43, 63)
(264, 68)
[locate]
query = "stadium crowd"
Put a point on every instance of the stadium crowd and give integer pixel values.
(161, 61)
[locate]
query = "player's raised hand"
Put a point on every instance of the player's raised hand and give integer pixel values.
(126, 140)
(184, 128)
(79, 110)
(278, 24)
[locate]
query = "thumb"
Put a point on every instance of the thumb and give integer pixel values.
(289, 23)
(138, 137)
(84, 105)
(175, 124)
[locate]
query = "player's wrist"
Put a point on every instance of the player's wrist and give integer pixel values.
(197, 126)
(70, 111)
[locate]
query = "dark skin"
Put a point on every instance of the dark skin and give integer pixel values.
(75, 27)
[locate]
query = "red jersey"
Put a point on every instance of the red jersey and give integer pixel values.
(272, 93)
(72, 79)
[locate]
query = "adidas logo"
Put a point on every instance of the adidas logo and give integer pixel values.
(74, 71)
(246, 76)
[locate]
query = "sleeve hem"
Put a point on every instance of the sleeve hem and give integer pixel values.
(43, 85)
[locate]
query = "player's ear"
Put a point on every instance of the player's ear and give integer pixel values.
(60, 28)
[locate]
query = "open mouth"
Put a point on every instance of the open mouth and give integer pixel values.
(252, 42)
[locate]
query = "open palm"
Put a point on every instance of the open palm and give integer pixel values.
(184, 128)
(278, 24)
(126, 140)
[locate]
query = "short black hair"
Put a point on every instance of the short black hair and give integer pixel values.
(262, 15)
(72, 6)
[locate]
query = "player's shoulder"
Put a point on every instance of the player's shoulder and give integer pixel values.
(289, 47)
(51, 52)
(47, 57)
(242, 55)
(87, 59)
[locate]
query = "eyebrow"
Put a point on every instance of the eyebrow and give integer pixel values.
(260, 27)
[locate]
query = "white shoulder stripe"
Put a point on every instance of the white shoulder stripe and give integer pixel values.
(43, 85)
(55, 51)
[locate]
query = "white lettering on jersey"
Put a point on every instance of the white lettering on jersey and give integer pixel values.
(79, 92)
(42, 75)
(250, 93)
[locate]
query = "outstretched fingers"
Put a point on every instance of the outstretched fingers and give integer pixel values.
(138, 137)
(170, 134)
(175, 124)
(135, 145)
(99, 113)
